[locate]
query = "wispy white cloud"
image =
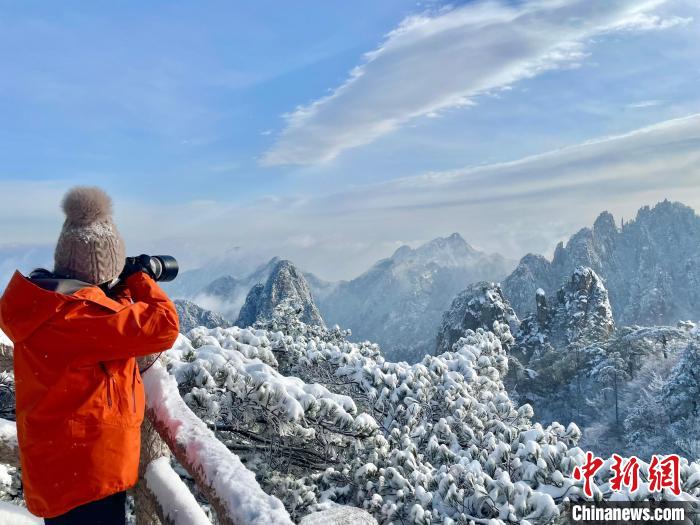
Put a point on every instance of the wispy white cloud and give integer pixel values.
(650, 22)
(645, 104)
(659, 157)
(508, 207)
(443, 60)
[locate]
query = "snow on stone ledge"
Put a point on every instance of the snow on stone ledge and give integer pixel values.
(339, 516)
(12, 514)
(234, 485)
(176, 500)
(4, 340)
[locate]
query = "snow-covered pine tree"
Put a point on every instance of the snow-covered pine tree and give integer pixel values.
(611, 372)
(322, 420)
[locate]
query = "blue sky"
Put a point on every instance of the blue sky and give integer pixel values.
(331, 132)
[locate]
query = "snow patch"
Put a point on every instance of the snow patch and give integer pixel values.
(339, 516)
(12, 514)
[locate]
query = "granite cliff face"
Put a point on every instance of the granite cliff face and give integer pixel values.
(579, 313)
(650, 266)
(399, 302)
(481, 305)
(192, 315)
(285, 283)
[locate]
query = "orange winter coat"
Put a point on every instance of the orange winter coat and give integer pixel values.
(80, 400)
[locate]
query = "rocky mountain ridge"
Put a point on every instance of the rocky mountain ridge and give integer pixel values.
(227, 294)
(579, 313)
(399, 301)
(650, 265)
(571, 361)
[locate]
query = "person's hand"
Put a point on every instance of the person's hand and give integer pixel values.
(142, 263)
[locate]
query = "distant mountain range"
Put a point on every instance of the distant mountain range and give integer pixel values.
(399, 302)
(650, 266)
(233, 262)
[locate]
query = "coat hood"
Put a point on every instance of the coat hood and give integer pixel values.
(25, 306)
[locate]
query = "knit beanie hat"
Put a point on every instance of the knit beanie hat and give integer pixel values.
(89, 248)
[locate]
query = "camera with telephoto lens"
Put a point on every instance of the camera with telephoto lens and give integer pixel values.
(162, 268)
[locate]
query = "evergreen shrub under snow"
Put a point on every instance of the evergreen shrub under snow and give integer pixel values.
(321, 420)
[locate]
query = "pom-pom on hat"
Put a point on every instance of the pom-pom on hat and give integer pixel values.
(89, 248)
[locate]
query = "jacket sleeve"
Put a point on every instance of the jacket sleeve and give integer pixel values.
(121, 294)
(90, 333)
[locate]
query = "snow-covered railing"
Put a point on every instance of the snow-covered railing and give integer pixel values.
(175, 504)
(231, 489)
(229, 486)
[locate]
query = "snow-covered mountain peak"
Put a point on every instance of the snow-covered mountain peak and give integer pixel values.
(583, 312)
(400, 300)
(284, 283)
(450, 251)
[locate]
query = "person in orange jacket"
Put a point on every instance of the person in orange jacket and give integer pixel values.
(80, 399)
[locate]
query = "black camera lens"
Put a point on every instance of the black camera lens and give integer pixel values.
(165, 267)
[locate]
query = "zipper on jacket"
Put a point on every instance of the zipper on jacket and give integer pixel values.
(133, 389)
(109, 383)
